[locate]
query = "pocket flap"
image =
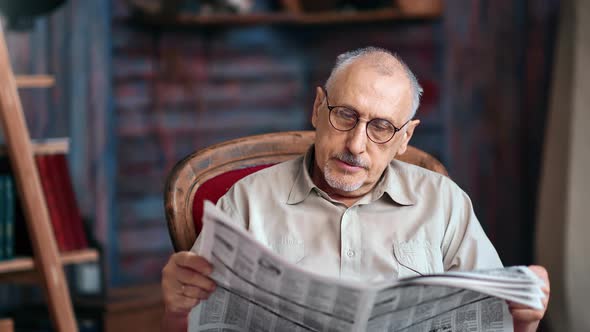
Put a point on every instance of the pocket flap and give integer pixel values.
(292, 250)
(416, 257)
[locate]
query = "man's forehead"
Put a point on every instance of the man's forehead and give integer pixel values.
(367, 73)
(380, 63)
(364, 88)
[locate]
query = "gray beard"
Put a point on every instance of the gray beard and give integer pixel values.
(340, 182)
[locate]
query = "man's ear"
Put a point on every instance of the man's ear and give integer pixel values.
(407, 136)
(317, 104)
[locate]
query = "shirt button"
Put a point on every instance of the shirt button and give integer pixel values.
(350, 253)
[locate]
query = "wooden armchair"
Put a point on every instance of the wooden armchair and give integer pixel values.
(209, 173)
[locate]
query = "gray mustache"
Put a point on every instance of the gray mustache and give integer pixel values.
(351, 159)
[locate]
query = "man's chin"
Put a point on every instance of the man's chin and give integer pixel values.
(343, 181)
(344, 185)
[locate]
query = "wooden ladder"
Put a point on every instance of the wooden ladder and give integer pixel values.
(47, 260)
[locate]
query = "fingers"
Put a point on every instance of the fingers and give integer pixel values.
(542, 273)
(193, 261)
(195, 292)
(192, 278)
(524, 314)
(527, 315)
(515, 306)
(185, 282)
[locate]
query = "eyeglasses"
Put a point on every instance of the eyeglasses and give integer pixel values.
(343, 118)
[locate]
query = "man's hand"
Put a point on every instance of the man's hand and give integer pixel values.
(185, 283)
(526, 319)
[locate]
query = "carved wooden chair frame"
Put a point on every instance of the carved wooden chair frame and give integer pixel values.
(190, 173)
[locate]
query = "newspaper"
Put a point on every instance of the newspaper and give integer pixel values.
(259, 291)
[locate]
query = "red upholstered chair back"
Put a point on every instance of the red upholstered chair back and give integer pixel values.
(216, 187)
(209, 173)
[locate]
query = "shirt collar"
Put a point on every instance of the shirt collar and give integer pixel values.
(395, 185)
(392, 183)
(303, 183)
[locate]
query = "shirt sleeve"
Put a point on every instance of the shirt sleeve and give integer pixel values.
(465, 244)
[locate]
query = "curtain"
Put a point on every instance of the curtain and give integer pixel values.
(563, 223)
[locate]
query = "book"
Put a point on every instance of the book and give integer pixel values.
(9, 207)
(3, 200)
(6, 213)
(73, 216)
(49, 184)
(259, 290)
(56, 183)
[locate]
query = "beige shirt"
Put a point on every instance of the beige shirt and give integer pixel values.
(413, 219)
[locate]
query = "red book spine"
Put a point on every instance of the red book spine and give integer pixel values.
(46, 178)
(75, 217)
(62, 201)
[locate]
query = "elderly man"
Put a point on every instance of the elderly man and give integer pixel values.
(346, 208)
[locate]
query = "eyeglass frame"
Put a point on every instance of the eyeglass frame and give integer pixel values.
(358, 118)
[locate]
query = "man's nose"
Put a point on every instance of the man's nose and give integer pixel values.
(357, 139)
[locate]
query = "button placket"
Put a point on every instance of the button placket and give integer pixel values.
(350, 243)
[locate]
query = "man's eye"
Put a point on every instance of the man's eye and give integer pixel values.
(381, 125)
(346, 114)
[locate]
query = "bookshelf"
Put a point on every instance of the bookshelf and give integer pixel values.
(283, 18)
(46, 265)
(22, 269)
(44, 146)
(34, 81)
(290, 12)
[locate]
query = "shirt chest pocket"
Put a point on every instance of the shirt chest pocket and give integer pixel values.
(416, 257)
(292, 250)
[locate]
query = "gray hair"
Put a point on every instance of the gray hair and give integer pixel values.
(382, 67)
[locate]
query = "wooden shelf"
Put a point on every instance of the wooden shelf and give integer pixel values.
(34, 81)
(44, 146)
(24, 264)
(193, 20)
